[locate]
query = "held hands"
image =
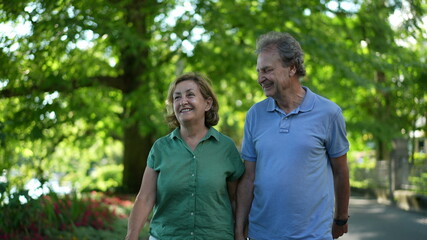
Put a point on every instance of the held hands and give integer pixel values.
(241, 235)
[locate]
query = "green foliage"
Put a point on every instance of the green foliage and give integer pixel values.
(118, 231)
(420, 159)
(52, 215)
(361, 167)
(420, 183)
(419, 173)
(91, 74)
(16, 216)
(103, 178)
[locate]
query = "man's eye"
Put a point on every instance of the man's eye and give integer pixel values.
(177, 97)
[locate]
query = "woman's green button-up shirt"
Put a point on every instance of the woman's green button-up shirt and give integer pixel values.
(192, 200)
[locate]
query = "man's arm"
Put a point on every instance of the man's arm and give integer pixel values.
(342, 193)
(244, 200)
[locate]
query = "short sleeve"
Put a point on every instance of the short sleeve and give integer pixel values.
(237, 164)
(248, 148)
(337, 143)
(151, 159)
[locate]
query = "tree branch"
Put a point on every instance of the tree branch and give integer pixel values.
(113, 82)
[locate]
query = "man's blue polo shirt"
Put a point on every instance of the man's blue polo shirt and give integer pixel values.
(293, 187)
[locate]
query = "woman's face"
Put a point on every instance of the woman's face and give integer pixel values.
(188, 103)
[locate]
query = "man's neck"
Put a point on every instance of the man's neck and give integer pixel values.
(291, 100)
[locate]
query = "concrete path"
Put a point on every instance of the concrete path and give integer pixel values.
(370, 220)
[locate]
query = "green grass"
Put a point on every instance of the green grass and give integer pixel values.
(117, 231)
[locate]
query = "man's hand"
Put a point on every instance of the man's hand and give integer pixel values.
(338, 231)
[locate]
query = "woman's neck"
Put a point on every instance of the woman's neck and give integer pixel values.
(193, 134)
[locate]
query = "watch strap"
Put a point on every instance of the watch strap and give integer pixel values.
(341, 222)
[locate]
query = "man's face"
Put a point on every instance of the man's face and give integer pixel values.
(273, 77)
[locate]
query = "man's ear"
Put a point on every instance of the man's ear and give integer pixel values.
(292, 71)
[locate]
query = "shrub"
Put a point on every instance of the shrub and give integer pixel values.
(103, 178)
(42, 218)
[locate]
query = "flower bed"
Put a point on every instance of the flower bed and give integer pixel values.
(60, 217)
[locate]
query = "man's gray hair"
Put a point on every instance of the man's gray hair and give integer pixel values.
(288, 47)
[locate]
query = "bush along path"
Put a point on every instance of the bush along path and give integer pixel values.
(74, 216)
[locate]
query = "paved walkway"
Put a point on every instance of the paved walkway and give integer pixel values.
(373, 221)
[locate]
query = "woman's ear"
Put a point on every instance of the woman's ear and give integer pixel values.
(209, 102)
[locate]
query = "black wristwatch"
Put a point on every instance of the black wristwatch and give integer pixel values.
(341, 222)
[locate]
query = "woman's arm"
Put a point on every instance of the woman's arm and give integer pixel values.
(143, 205)
(232, 188)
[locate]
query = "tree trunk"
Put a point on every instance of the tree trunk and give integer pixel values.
(382, 150)
(134, 63)
(136, 149)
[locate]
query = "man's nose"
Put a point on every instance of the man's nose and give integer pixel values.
(261, 77)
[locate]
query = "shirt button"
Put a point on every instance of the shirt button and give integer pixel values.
(194, 156)
(192, 175)
(192, 194)
(192, 213)
(192, 233)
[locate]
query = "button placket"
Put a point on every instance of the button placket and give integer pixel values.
(285, 124)
(193, 193)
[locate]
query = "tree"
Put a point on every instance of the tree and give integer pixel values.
(56, 90)
(94, 74)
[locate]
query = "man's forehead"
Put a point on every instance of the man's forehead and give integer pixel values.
(267, 58)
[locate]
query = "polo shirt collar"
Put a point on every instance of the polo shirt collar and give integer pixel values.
(306, 105)
(212, 132)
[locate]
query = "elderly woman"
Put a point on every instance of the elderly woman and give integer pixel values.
(191, 174)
